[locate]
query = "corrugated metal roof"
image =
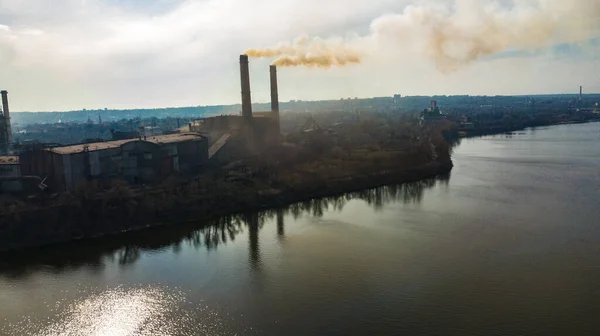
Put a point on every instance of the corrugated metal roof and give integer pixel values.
(9, 160)
(159, 139)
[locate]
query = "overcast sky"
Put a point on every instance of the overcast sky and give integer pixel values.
(74, 54)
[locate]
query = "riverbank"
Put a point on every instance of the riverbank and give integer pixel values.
(88, 218)
(281, 175)
(477, 132)
(86, 215)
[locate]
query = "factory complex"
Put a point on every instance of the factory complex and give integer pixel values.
(144, 159)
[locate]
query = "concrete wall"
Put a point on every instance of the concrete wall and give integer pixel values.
(95, 164)
(68, 175)
(80, 169)
(73, 169)
(141, 162)
(10, 170)
(110, 163)
(45, 164)
(169, 159)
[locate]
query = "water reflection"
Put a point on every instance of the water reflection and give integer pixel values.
(280, 225)
(252, 221)
(127, 248)
(124, 311)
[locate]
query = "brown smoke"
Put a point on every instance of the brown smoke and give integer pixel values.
(457, 35)
(473, 29)
(310, 53)
(320, 61)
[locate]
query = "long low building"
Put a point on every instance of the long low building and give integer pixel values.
(141, 160)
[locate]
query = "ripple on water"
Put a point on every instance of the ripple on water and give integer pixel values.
(124, 312)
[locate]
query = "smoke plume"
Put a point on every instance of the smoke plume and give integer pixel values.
(454, 35)
(311, 53)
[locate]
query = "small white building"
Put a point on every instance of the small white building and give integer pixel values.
(9, 168)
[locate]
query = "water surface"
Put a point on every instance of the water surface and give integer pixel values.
(509, 244)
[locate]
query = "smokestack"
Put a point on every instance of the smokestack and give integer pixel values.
(274, 94)
(4, 94)
(274, 91)
(581, 93)
(245, 80)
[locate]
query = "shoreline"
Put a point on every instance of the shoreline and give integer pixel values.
(89, 219)
(96, 219)
(506, 130)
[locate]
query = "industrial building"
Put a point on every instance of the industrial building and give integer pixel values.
(5, 128)
(152, 158)
(10, 172)
(250, 132)
(141, 160)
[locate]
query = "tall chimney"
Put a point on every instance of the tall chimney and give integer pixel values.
(275, 95)
(245, 80)
(274, 92)
(581, 93)
(4, 94)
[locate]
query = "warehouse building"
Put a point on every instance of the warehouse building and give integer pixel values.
(141, 160)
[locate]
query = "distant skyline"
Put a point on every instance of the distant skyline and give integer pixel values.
(125, 54)
(83, 109)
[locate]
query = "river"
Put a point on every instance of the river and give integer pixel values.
(508, 244)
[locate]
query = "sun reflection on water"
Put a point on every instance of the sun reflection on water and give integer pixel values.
(125, 312)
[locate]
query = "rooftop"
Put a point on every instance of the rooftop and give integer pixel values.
(9, 160)
(159, 139)
(263, 114)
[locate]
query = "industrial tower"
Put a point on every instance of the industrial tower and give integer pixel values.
(5, 129)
